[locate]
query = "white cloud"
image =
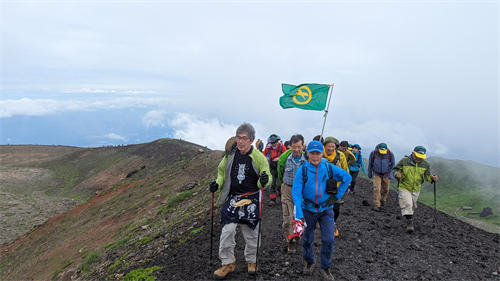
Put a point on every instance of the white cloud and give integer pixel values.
(114, 136)
(97, 91)
(208, 132)
(40, 107)
(153, 118)
(438, 149)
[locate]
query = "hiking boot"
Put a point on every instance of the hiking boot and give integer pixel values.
(409, 226)
(336, 233)
(292, 247)
(224, 270)
(382, 204)
(272, 202)
(376, 208)
(309, 268)
(325, 272)
(252, 268)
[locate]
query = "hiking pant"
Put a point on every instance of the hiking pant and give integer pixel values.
(327, 226)
(227, 243)
(378, 184)
(288, 210)
(354, 175)
(408, 201)
(336, 211)
(275, 186)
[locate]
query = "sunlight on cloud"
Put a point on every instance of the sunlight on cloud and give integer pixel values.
(153, 118)
(209, 132)
(114, 136)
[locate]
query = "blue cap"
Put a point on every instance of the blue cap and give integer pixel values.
(315, 146)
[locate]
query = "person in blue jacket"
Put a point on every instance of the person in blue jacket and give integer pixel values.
(380, 165)
(354, 168)
(312, 205)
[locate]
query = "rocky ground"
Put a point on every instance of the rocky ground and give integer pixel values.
(23, 202)
(371, 246)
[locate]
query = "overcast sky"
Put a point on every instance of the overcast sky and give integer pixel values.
(406, 73)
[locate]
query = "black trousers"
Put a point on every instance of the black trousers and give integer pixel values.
(354, 175)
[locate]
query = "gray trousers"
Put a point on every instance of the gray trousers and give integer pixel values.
(408, 201)
(227, 243)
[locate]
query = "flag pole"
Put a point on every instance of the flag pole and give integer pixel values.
(326, 111)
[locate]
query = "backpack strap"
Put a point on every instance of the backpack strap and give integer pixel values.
(336, 159)
(304, 173)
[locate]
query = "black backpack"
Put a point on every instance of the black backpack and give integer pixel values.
(331, 183)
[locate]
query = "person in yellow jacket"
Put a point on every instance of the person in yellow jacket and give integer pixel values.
(337, 158)
(344, 145)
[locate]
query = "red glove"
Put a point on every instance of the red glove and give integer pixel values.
(298, 229)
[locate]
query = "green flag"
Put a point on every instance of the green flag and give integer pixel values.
(304, 96)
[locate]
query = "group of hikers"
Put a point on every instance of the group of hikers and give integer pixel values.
(313, 181)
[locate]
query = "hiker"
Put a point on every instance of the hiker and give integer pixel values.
(260, 145)
(257, 143)
(411, 171)
(273, 151)
(380, 167)
(241, 173)
(354, 168)
(287, 145)
(314, 204)
(344, 145)
(337, 158)
(288, 164)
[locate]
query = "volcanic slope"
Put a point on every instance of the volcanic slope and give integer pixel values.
(371, 246)
(160, 226)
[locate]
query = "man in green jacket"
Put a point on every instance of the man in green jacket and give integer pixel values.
(242, 173)
(411, 171)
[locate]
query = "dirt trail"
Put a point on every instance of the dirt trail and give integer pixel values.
(367, 249)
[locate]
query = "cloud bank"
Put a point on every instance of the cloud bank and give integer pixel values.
(209, 132)
(40, 107)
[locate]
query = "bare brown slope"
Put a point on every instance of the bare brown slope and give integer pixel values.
(15, 155)
(94, 224)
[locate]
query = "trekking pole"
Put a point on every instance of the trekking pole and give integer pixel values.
(212, 230)
(258, 237)
(434, 205)
(396, 207)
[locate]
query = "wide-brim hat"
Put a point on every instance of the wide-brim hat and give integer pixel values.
(274, 138)
(230, 142)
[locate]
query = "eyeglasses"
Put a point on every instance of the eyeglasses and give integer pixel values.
(297, 147)
(242, 138)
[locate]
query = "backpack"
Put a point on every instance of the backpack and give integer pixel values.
(376, 153)
(336, 160)
(274, 164)
(331, 183)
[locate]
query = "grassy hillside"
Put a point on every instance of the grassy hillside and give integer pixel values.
(129, 214)
(463, 183)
